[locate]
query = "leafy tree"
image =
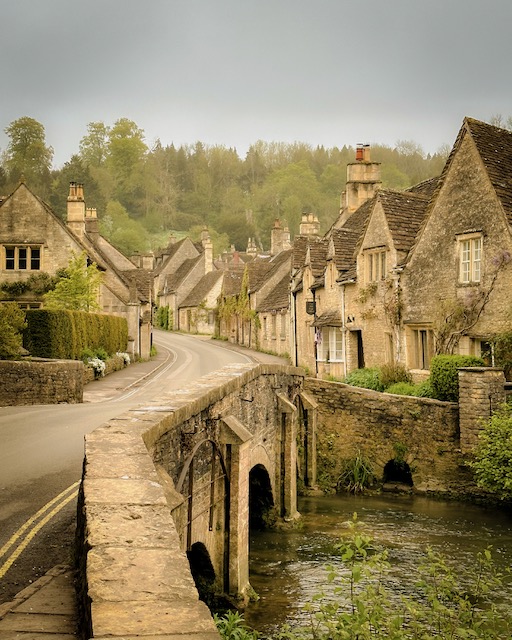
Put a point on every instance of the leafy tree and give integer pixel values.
(126, 234)
(28, 155)
(493, 456)
(75, 170)
(78, 288)
(94, 145)
(12, 323)
(126, 155)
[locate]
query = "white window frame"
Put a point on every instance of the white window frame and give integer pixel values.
(470, 259)
(331, 343)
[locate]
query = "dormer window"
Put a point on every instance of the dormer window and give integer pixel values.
(375, 265)
(470, 259)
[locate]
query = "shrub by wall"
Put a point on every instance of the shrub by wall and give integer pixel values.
(444, 377)
(66, 334)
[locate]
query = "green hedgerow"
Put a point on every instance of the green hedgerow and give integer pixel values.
(367, 378)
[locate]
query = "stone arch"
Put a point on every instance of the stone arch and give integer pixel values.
(202, 571)
(261, 499)
(397, 472)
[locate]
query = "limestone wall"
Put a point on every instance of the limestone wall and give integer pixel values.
(352, 419)
(41, 382)
(134, 575)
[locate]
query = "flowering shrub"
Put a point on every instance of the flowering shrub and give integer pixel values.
(98, 366)
(125, 356)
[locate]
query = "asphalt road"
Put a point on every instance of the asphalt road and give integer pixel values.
(41, 454)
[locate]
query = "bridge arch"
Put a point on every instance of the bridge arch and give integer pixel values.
(261, 497)
(202, 571)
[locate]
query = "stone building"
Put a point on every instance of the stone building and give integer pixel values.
(34, 241)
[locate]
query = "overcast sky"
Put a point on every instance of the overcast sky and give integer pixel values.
(232, 72)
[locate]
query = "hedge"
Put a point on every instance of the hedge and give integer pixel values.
(444, 376)
(66, 334)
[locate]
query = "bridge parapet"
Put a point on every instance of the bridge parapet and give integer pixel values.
(190, 454)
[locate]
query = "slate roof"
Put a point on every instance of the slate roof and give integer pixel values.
(258, 271)
(426, 188)
(278, 298)
(202, 289)
(330, 318)
(232, 280)
(404, 213)
(495, 148)
(174, 280)
(299, 249)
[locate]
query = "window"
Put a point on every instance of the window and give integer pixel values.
(22, 258)
(283, 327)
(274, 326)
(470, 251)
(421, 348)
(330, 346)
(375, 265)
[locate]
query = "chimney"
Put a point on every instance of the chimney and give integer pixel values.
(276, 238)
(207, 243)
(363, 181)
(252, 249)
(92, 227)
(76, 209)
(309, 225)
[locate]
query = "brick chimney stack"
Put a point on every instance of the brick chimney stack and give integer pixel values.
(76, 209)
(309, 225)
(363, 181)
(92, 226)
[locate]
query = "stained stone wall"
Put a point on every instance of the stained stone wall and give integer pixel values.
(41, 382)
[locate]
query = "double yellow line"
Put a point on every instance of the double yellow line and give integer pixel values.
(33, 525)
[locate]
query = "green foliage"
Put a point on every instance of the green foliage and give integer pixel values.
(39, 283)
(164, 318)
(67, 334)
(12, 323)
(502, 347)
(444, 375)
(357, 474)
(231, 626)
(403, 389)
(391, 373)
(78, 289)
(492, 465)
(367, 378)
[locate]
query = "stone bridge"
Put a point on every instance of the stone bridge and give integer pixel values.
(171, 489)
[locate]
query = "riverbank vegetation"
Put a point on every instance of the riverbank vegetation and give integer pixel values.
(357, 602)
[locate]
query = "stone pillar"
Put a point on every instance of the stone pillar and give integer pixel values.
(238, 441)
(310, 406)
(288, 414)
(481, 391)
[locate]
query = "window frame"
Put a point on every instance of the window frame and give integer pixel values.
(331, 342)
(22, 257)
(470, 255)
(420, 347)
(375, 264)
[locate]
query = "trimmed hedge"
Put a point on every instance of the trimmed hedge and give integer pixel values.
(53, 333)
(444, 376)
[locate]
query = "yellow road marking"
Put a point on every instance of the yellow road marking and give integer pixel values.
(35, 527)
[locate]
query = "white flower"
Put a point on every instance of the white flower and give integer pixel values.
(98, 367)
(125, 356)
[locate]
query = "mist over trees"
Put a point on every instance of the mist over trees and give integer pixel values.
(143, 194)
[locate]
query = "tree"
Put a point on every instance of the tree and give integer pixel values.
(94, 145)
(127, 235)
(78, 288)
(492, 465)
(12, 323)
(27, 154)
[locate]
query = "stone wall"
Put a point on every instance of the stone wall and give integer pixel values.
(481, 391)
(135, 578)
(378, 424)
(27, 382)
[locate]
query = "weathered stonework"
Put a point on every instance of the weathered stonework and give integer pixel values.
(352, 419)
(41, 382)
(481, 391)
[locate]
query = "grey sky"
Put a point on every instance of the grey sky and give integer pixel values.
(232, 72)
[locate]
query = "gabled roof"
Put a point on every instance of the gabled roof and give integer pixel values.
(258, 271)
(317, 249)
(299, 249)
(404, 213)
(495, 148)
(278, 298)
(202, 289)
(173, 281)
(426, 188)
(232, 282)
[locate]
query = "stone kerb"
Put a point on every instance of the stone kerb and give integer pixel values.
(135, 579)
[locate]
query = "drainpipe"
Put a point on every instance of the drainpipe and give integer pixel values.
(315, 329)
(344, 330)
(294, 326)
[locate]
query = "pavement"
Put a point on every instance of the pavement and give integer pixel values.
(46, 609)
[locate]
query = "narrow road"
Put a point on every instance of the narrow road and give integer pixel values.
(41, 455)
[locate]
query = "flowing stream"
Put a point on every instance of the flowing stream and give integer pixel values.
(288, 567)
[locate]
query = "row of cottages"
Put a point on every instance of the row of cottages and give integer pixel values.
(405, 275)
(399, 277)
(33, 240)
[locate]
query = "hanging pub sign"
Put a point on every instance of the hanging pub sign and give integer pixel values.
(310, 307)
